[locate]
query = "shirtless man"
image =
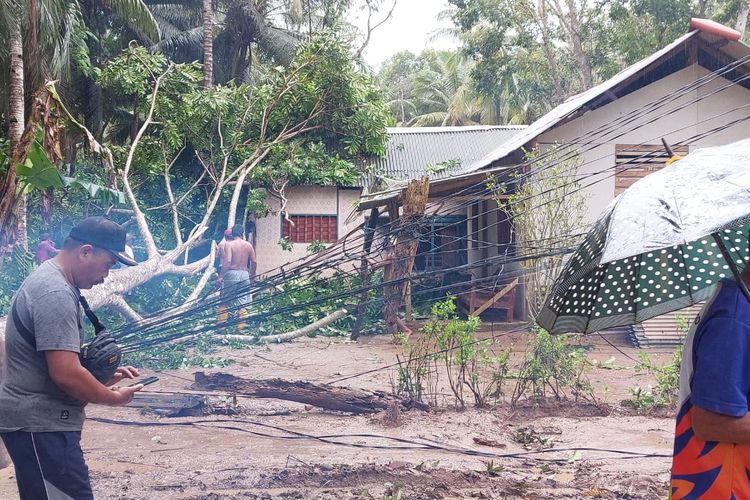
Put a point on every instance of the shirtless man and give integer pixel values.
(238, 263)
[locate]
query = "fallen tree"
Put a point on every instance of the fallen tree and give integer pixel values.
(233, 134)
(322, 396)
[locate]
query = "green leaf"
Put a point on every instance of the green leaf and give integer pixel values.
(37, 171)
(104, 194)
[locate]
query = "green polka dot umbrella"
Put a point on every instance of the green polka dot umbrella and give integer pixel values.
(660, 246)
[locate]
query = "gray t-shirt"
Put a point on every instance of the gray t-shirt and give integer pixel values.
(47, 306)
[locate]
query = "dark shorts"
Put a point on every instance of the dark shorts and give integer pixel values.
(49, 465)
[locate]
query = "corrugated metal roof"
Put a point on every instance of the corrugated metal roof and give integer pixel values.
(439, 152)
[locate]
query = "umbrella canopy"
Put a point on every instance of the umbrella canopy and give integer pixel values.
(658, 246)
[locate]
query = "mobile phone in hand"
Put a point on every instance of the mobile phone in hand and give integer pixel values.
(145, 381)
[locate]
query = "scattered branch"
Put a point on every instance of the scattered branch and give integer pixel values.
(118, 303)
(305, 330)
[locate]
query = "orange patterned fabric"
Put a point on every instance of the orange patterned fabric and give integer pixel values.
(706, 469)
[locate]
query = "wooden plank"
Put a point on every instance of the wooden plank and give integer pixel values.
(634, 162)
(499, 295)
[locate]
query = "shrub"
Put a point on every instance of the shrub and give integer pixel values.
(551, 367)
(667, 387)
(450, 345)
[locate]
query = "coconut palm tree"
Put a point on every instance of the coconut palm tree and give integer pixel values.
(237, 27)
(45, 38)
(445, 94)
(208, 44)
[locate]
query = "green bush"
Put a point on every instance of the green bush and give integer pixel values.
(450, 345)
(667, 387)
(551, 367)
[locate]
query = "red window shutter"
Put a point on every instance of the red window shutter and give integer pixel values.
(309, 228)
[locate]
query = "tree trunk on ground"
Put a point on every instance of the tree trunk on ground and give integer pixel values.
(208, 45)
(322, 396)
(742, 18)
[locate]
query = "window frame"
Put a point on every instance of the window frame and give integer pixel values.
(283, 222)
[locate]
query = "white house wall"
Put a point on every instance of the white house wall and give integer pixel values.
(692, 119)
(302, 200)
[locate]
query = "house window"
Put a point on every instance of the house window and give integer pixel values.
(309, 228)
(443, 244)
(634, 162)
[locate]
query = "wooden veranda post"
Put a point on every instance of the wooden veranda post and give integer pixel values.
(405, 249)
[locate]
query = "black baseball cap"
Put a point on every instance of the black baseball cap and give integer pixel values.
(105, 234)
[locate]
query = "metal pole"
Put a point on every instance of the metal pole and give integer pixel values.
(730, 261)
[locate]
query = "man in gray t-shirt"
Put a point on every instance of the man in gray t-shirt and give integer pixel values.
(45, 389)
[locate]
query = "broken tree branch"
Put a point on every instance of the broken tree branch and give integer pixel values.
(305, 330)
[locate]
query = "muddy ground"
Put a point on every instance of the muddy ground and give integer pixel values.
(442, 454)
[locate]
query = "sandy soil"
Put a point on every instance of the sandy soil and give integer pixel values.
(219, 456)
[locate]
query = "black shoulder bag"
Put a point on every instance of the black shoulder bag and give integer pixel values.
(101, 356)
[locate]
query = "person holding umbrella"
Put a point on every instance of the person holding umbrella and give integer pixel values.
(675, 238)
(712, 437)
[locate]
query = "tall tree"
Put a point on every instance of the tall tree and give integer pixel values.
(641, 27)
(396, 78)
(572, 18)
(208, 44)
(113, 24)
(9, 201)
(528, 41)
(51, 34)
(445, 95)
(10, 20)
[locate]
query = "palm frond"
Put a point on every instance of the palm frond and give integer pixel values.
(11, 12)
(443, 33)
(435, 119)
(180, 41)
(136, 14)
(181, 16)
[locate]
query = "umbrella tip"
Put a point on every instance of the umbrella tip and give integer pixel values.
(667, 147)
